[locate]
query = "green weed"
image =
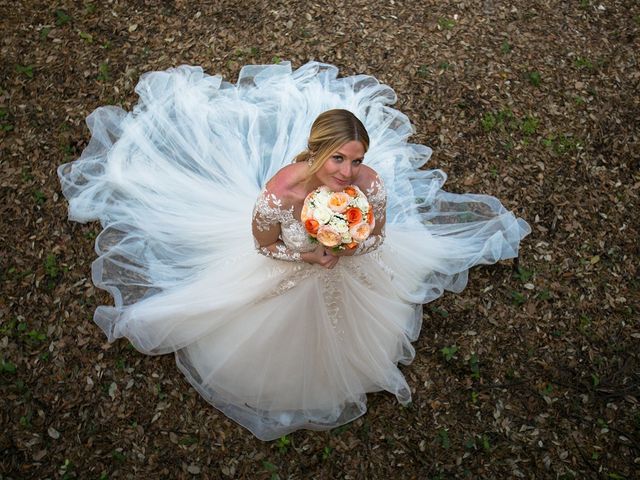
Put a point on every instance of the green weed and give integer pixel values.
(25, 420)
(25, 175)
(326, 453)
(529, 125)
(26, 70)
(523, 274)
(474, 365)
(585, 324)
(488, 122)
(486, 444)
(443, 435)
(543, 295)
(118, 456)
(51, 268)
(67, 470)
(272, 469)
(562, 144)
(7, 367)
(440, 311)
(7, 328)
(535, 78)
(583, 63)
(446, 23)
(449, 352)
(62, 18)
(103, 72)
(283, 444)
(87, 37)
(35, 336)
(518, 298)
(188, 441)
(39, 197)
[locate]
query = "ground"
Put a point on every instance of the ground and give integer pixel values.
(532, 372)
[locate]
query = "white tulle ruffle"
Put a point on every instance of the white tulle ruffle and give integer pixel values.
(277, 346)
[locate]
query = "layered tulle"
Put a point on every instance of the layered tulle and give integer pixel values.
(275, 345)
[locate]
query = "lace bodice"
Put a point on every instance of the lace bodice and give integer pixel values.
(271, 218)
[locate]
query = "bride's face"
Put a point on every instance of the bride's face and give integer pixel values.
(342, 166)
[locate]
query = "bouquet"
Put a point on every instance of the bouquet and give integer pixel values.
(340, 220)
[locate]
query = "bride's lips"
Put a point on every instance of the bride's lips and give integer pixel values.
(341, 182)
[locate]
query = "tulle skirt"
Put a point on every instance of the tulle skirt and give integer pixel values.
(277, 346)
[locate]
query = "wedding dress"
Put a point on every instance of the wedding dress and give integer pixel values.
(276, 345)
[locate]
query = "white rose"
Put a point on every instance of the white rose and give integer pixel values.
(339, 225)
(346, 237)
(322, 197)
(322, 215)
(362, 204)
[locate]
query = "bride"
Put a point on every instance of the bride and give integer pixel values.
(205, 254)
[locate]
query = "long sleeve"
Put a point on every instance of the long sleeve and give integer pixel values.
(377, 196)
(266, 226)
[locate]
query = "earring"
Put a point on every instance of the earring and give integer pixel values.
(310, 160)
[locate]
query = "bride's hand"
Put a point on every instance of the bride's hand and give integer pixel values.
(321, 256)
(347, 252)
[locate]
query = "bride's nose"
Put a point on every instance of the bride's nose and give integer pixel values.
(346, 170)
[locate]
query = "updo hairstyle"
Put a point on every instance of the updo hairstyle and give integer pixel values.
(329, 132)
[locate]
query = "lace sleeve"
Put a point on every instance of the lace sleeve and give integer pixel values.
(266, 226)
(377, 196)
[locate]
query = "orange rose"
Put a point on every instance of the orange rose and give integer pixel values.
(312, 226)
(354, 215)
(360, 232)
(338, 202)
(370, 217)
(351, 191)
(328, 237)
(352, 245)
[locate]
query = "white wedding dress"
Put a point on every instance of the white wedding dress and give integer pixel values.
(275, 345)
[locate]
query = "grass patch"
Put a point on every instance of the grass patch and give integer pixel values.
(26, 70)
(62, 18)
(449, 352)
(103, 72)
(529, 125)
(562, 144)
(583, 63)
(446, 23)
(534, 78)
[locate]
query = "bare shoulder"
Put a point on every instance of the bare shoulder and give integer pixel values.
(367, 178)
(283, 184)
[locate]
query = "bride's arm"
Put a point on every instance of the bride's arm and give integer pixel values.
(266, 228)
(377, 196)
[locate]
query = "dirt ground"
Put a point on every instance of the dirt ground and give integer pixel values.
(532, 372)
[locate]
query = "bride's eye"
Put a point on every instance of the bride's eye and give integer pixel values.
(358, 162)
(337, 158)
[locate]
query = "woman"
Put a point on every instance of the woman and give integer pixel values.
(293, 336)
(334, 157)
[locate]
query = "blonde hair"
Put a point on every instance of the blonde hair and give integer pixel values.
(329, 132)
